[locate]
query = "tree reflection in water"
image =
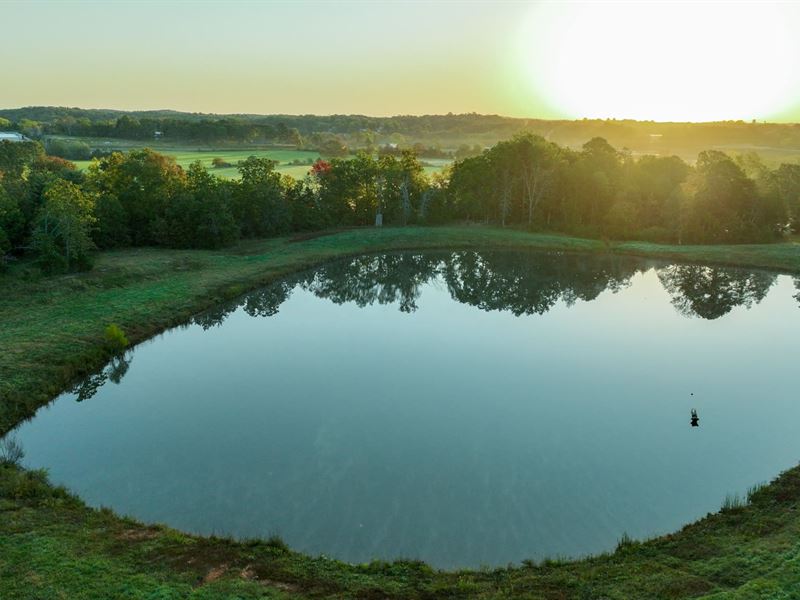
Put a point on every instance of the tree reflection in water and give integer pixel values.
(384, 279)
(711, 292)
(525, 284)
(113, 371)
(521, 282)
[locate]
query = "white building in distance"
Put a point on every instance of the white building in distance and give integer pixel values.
(12, 136)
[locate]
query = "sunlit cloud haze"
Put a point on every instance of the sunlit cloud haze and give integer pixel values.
(646, 60)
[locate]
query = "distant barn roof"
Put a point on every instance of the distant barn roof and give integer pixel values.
(13, 136)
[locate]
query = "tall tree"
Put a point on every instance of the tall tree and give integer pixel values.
(62, 233)
(467, 188)
(12, 222)
(536, 158)
(725, 205)
(143, 181)
(260, 205)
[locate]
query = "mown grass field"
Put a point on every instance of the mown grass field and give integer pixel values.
(186, 154)
(53, 546)
(284, 158)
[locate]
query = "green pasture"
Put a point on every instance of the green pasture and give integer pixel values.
(186, 154)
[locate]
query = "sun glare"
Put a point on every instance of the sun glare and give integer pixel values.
(666, 62)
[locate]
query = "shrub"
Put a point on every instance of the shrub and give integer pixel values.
(115, 338)
(11, 452)
(276, 543)
(5, 246)
(626, 542)
(755, 491)
(733, 502)
(69, 149)
(220, 163)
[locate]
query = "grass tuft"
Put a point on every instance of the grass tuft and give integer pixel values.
(11, 452)
(626, 542)
(733, 502)
(276, 543)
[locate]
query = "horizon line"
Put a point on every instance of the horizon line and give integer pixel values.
(400, 115)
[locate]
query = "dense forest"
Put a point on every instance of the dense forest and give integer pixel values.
(59, 215)
(447, 132)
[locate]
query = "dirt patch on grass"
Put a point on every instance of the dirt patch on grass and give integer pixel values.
(138, 534)
(214, 574)
(249, 574)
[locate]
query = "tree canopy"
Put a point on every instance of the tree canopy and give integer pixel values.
(143, 198)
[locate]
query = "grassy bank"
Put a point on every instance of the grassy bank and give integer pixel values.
(52, 546)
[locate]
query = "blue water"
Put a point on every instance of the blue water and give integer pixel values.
(463, 408)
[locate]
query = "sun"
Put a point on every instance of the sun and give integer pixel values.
(678, 61)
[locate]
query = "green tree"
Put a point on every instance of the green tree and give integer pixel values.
(650, 189)
(598, 173)
(260, 206)
(536, 159)
(363, 196)
(70, 149)
(12, 222)
(467, 188)
(302, 198)
(504, 181)
(332, 146)
(5, 246)
(16, 156)
(348, 189)
(199, 216)
(786, 179)
(333, 183)
(32, 129)
(401, 184)
(111, 229)
(725, 205)
(61, 236)
(143, 181)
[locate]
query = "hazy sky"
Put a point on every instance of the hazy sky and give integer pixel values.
(646, 60)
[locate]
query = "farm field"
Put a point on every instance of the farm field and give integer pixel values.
(292, 162)
(185, 156)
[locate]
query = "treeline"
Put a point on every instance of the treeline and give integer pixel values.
(59, 215)
(599, 191)
(335, 141)
(126, 127)
(450, 130)
(141, 198)
(73, 121)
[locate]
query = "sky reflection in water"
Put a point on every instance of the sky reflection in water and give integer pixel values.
(463, 408)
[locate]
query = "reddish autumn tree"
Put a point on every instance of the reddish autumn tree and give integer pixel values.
(320, 168)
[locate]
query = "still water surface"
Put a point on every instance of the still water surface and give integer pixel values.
(463, 408)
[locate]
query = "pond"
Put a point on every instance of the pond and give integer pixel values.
(466, 408)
